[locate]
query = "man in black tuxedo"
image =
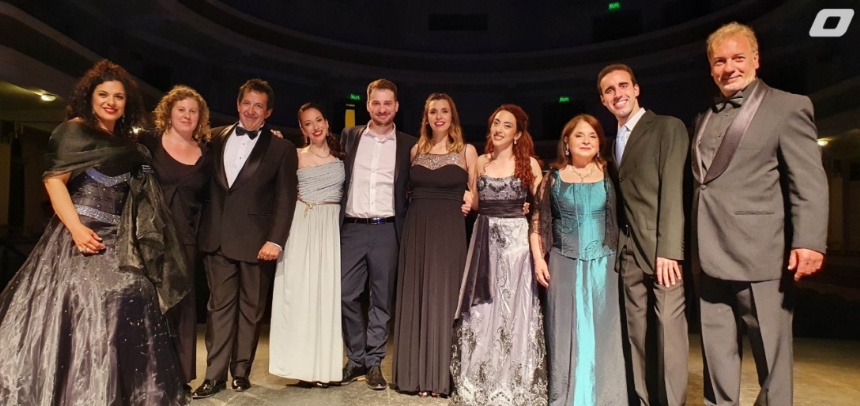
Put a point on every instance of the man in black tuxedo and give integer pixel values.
(252, 197)
(374, 209)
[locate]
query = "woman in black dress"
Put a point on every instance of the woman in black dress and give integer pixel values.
(432, 251)
(182, 167)
(81, 322)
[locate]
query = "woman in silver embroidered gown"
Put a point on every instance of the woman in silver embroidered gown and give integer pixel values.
(499, 355)
(432, 251)
(81, 322)
(574, 220)
(305, 336)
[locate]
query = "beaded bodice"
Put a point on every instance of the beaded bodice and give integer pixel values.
(436, 161)
(99, 196)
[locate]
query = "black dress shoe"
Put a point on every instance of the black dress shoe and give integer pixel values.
(209, 388)
(375, 379)
(241, 384)
(309, 385)
(351, 373)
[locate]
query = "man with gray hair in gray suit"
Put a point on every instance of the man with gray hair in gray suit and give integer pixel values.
(759, 214)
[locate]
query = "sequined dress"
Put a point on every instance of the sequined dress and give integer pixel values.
(432, 255)
(305, 340)
(75, 328)
(499, 354)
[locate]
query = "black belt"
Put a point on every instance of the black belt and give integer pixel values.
(372, 220)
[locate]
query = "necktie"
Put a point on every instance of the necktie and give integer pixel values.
(620, 143)
(251, 134)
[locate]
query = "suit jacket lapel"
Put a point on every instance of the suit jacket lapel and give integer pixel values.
(402, 153)
(354, 139)
(735, 133)
(220, 174)
(254, 159)
(697, 139)
(635, 137)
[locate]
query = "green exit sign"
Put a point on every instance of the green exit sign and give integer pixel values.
(564, 99)
(353, 96)
(615, 6)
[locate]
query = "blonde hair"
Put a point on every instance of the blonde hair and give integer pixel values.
(161, 114)
(728, 30)
(455, 132)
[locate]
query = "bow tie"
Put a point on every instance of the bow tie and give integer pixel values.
(251, 134)
(720, 103)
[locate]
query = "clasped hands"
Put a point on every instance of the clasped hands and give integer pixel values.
(86, 240)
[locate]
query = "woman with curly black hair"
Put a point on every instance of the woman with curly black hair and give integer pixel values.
(81, 321)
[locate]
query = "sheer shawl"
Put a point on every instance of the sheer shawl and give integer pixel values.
(541, 221)
(147, 242)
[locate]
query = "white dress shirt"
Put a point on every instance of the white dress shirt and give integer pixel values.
(236, 152)
(371, 190)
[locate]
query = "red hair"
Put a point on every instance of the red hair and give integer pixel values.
(524, 147)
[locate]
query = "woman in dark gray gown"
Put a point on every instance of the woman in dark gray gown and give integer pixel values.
(81, 322)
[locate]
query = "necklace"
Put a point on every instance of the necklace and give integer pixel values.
(311, 148)
(170, 137)
(581, 176)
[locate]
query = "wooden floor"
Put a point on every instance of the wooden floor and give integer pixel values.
(827, 373)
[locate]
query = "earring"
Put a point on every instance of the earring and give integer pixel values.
(566, 151)
(515, 142)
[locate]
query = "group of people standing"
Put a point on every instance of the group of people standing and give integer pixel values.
(351, 232)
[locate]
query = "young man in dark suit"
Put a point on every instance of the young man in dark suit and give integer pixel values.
(650, 152)
(374, 208)
(760, 206)
(245, 223)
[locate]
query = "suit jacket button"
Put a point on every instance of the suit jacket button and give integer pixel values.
(704, 187)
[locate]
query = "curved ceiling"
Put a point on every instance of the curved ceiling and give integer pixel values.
(526, 52)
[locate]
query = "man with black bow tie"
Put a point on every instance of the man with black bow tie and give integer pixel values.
(252, 196)
(760, 207)
(650, 152)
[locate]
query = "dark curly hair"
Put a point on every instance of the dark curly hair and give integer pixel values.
(333, 144)
(81, 101)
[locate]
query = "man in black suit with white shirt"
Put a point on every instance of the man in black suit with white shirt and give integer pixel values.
(252, 196)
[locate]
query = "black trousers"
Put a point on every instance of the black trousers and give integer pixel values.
(238, 295)
(368, 260)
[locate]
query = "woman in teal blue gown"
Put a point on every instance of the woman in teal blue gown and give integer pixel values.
(575, 222)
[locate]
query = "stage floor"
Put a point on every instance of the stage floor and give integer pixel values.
(826, 372)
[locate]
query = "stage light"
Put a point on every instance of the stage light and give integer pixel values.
(47, 97)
